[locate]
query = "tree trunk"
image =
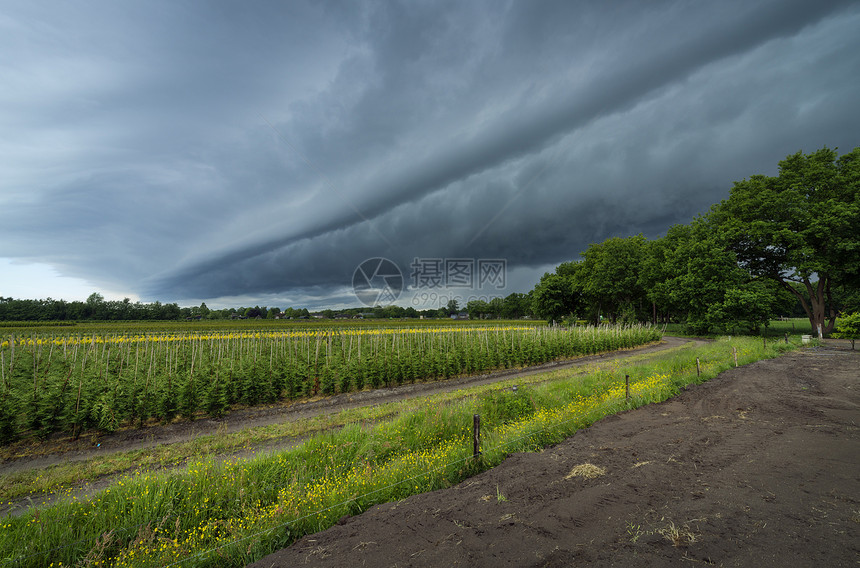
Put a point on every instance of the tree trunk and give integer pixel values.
(819, 309)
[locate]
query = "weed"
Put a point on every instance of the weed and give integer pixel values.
(634, 531)
(499, 497)
(678, 536)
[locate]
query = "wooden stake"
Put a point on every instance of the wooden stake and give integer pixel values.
(476, 435)
(698, 369)
(627, 387)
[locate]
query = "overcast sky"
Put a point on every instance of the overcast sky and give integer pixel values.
(245, 153)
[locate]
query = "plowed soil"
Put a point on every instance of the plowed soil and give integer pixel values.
(757, 467)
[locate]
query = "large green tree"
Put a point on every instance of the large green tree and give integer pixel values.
(799, 226)
(556, 296)
(609, 276)
(693, 277)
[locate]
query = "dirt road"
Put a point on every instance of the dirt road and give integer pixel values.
(757, 467)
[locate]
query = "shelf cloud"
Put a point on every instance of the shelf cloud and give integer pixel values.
(262, 152)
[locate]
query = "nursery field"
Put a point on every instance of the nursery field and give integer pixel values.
(228, 513)
(71, 383)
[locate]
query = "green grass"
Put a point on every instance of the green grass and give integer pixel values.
(216, 513)
(776, 328)
(791, 326)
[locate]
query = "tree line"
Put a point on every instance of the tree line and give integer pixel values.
(96, 308)
(777, 244)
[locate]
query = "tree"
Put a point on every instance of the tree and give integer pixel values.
(800, 226)
(516, 305)
(750, 305)
(453, 307)
(477, 309)
(556, 296)
(495, 307)
(849, 328)
(692, 275)
(95, 299)
(254, 312)
(609, 275)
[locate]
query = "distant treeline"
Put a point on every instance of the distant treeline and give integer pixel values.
(96, 308)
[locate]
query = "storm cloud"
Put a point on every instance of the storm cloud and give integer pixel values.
(233, 152)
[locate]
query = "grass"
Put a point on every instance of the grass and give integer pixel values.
(776, 328)
(678, 536)
(217, 513)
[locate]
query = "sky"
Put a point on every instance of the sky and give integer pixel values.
(258, 153)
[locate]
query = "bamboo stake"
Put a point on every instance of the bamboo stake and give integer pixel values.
(12, 356)
(136, 359)
(78, 399)
(191, 372)
(50, 353)
(148, 375)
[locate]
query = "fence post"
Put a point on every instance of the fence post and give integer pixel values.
(476, 435)
(698, 369)
(627, 387)
(735, 354)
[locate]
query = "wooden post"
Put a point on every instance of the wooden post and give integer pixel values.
(627, 387)
(698, 369)
(735, 354)
(786, 338)
(476, 435)
(764, 341)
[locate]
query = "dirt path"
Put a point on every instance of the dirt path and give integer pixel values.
(757, 467)
(88, 447)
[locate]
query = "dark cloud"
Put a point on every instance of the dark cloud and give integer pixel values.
(225, 152)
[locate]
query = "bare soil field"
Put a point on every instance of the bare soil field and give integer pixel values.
(757, 467)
